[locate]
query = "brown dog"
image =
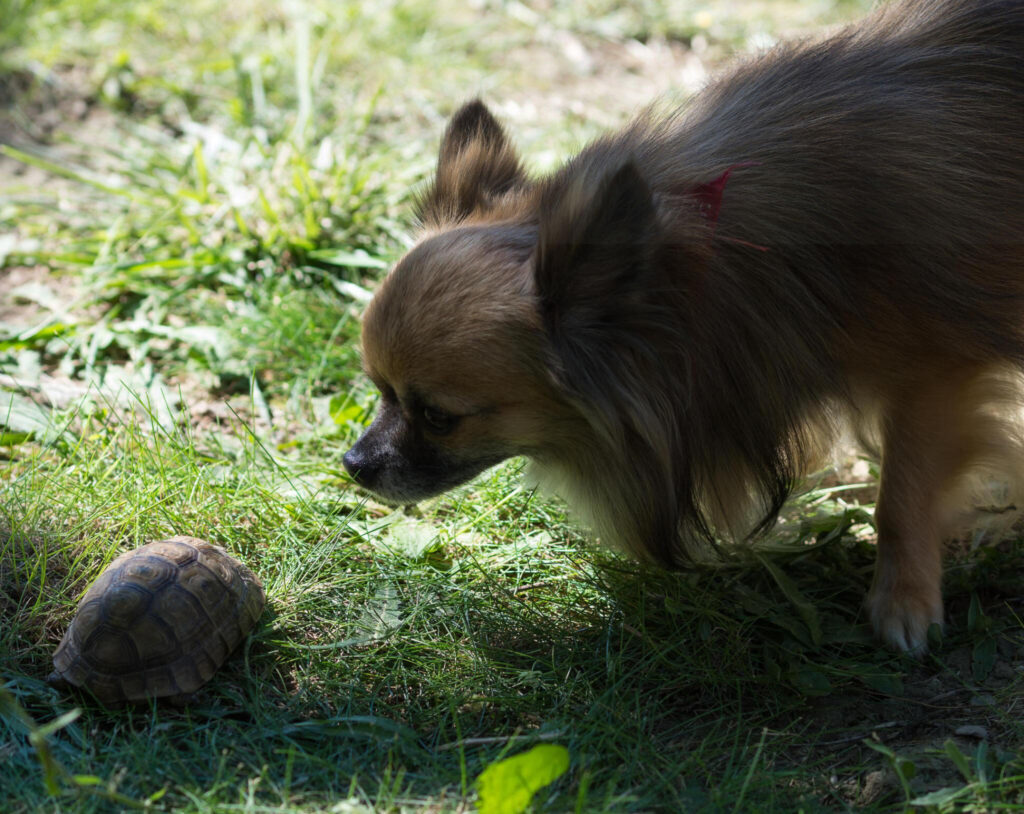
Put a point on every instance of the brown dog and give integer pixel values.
(673, 325)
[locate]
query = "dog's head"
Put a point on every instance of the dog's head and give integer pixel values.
(517, 325)
(451, 340)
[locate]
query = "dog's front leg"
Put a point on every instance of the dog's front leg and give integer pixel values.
(927, 441)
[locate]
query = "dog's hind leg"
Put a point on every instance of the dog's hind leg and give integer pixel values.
(932, 430)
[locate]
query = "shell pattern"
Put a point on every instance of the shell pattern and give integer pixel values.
(159, 622)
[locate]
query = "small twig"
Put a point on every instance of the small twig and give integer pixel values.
(522, 589)
(541, 736)
(632, 630)
(860, 736)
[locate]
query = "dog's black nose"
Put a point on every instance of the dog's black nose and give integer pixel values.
(360, 466)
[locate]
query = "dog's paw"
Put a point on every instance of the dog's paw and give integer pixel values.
(901, 618)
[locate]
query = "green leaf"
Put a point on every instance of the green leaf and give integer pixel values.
(343, 416)
(887, 683)
(983, 658)
(374, 727)
(959, 760)
(411, 537)
(940, 797)
(982, 762)
(20, 415)
(881, 748)
(974, 614)
(202, 175)
(11, 439)
(35, 336)
(506, 787)
(59, 723)
(906, 768)
(808, 613)
(810, 681)
(209, 338)
(156, 795)
(383, 614)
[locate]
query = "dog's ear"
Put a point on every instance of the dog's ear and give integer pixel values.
(597, 235)
(596, 273)
(477, 164)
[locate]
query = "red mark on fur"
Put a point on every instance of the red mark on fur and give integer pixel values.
(709, 196)
(709, 202)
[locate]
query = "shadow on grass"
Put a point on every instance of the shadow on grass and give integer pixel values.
(748, 687)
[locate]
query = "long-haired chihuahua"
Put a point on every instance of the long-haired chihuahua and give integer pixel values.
(674, 324)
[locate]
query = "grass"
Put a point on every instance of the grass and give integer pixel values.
(197, 206)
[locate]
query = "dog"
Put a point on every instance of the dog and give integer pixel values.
(675, 324)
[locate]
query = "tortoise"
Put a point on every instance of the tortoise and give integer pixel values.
(158, 622)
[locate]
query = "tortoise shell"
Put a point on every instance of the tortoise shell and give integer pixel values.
(159, 622)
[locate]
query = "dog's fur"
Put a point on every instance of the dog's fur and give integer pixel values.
(674, 323)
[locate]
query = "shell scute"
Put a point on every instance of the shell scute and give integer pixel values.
(110, 650)
(155, 641)
(179, 550)
(182, 611)
(205, 587)
(153, 572)
(124, 602)
(159, 682)
(220, 568)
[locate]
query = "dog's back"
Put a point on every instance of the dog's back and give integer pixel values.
(920, 112)
(866, 256)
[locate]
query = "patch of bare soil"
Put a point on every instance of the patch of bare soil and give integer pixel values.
(938, 708)
(23, 292)
(34, 107)
(599, 80)
(34, 111)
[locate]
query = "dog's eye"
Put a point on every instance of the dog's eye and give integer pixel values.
(438, 421)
